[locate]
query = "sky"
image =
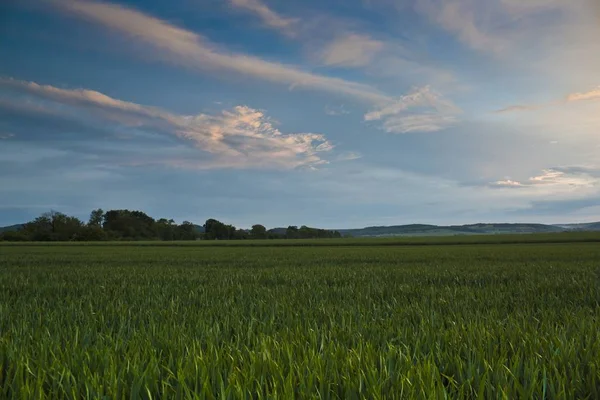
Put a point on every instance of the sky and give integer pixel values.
(333, 114)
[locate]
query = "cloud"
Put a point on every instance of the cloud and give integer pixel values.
(434, 113)
(519, 31)
(507, 183)
(335, 41)
(591, 95)
(464, 19)
(242, 137)
(558, 177)
(78, 97)
(418, 123)
(269, 17)
(4, 136)
(565, 206)
(350, 50)
(348, 156)
(571, 98)
(188, 48)
(520, 8)
(517, 108)
(336, 111)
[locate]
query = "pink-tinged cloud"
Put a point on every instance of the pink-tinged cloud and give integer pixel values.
(555, 179)
(269, 17)
(517, 108)
(350, 50)
(190, 49)
(241, 137)
(591, 95)
(401, 116)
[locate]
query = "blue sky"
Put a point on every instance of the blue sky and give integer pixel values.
(333, 114)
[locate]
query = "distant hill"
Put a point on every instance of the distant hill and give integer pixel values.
(432, 230)
(11, 228)
(451, 230)
(594, 226)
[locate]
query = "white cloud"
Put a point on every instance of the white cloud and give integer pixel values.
(466, 19)
(507, 183)
(433, 113)
(559, 106)
(340, 42)
(517, 108)
(188, 48)
(556, 179)
(591, 95)
(555, 176)
(4, 135)
(245, 137)
(242, 137)
(350, 50)
(78, 96)
(418, 123)
(336, 111)
(518, 7)
(550, 35)
(348, 156)
(269, 17)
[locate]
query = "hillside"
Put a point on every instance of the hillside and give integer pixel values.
(10, 228)
(434, 230)
(594, 226)
(451, 230)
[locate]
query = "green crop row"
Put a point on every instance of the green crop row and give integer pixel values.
(331, 322)
(549, 238)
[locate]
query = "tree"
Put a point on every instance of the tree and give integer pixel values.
(129, 224)
(186, 231)
(258, 232)
(166, 229)
(54, 226)
(15, 236)
(96, 217)
(291, 232)
(214, 229)
(92, 233)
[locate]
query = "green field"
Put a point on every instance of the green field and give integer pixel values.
(327, 319)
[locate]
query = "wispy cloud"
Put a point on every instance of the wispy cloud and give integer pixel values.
(591, 95)
(517, 108)
(193, 50)
(269, 17)
(5, 135)
(418, 123)
(348, 156)
(423, 110)
(80, 97)
(558, 177)
(350, 50)
(507, 183)
(515, 30)
(241, 137)
(336, 111)
(466, 20)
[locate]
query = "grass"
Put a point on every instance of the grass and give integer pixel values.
(562, 237)
(121, 321)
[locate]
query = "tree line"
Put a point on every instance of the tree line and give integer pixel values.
(137, 225)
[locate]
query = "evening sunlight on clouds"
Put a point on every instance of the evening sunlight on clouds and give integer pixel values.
(335, 114)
